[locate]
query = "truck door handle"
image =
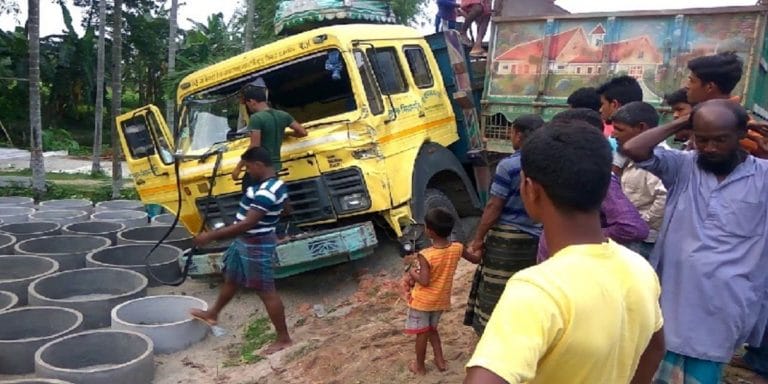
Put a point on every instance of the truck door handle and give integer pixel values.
(422, 114)
(140, 181)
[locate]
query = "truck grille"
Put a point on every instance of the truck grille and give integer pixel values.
(309, 201)
(343, 183)
(222, 207)
(312, 200)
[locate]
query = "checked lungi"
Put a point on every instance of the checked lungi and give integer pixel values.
(507, 250)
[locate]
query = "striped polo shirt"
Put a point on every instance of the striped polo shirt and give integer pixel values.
(267, 196)
(506, 185)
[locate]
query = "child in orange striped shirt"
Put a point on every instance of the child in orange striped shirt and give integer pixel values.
(433, 279)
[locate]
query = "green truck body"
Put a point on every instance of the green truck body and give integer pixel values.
(534, 63)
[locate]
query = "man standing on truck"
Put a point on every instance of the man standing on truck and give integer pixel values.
(512, 238)
(478, 12)
(267, 127)
(710, 252)
(248, 261)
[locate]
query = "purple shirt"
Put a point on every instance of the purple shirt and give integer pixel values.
(711, 255)
(620, 220)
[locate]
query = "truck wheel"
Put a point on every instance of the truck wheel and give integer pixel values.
(433, 198)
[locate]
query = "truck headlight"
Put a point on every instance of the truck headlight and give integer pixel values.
(354, 201)
(215, 223)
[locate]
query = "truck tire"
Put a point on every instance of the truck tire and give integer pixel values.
(434, 198)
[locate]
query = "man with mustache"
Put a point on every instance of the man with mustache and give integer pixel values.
(710, 250)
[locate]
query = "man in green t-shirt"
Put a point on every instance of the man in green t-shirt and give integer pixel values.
(267, 127)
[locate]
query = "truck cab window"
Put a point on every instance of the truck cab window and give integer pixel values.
(417, 62)
(388, 70)
(369, 84)
(313, 87)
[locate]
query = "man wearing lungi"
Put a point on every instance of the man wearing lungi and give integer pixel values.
(512, 237)
(248, 261)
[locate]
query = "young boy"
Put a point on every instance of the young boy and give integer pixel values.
(248, 261)
(433, 277)
(642, 188)
(678, 101)
(591, 313)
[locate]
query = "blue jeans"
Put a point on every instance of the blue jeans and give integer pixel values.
(439, 22)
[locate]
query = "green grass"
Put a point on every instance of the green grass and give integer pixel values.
(96, 192)
(257, 334)
(58, 175)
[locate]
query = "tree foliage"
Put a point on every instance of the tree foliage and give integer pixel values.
(68, 60)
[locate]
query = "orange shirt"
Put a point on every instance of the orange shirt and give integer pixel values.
(442, 265)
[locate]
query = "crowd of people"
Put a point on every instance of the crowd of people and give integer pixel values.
(613, 248)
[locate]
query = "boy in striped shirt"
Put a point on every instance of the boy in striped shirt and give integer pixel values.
(432, 281)
(248, 261)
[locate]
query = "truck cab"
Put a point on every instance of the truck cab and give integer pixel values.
(384, 143)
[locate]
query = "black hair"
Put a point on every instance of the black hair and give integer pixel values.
(572, 162)
(624, 89)
(252, 92)
(526, 124)
(723, 69)
(582, 114)
(440, 221)
(635, 113)
(676, 97)
(255, 154)
(737, 111)
(586, 97)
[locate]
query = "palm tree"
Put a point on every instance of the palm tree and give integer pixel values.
(35, 123)
(98, 120)
(117, 43)
(169, 117)
(249, 16)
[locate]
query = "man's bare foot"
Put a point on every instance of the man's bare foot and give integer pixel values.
(475, 52)
(441, 365)
(204, 316)
(413, 367)
(277, 346)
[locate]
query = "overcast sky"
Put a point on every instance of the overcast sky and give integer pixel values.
(51, 21)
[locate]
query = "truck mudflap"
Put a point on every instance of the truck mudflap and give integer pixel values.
(304, 252)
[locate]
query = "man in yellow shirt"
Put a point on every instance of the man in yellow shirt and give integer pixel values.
(590, 314)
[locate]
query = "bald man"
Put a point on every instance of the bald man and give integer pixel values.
(710, 251)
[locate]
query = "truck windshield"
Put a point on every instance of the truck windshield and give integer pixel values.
(310, 88)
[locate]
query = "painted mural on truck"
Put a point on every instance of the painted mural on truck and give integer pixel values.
(554, 58)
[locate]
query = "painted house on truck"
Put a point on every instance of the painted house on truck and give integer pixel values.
(576, 52)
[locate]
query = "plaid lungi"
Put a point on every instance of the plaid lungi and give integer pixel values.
(248, 262)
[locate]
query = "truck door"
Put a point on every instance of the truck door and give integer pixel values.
(146, 143)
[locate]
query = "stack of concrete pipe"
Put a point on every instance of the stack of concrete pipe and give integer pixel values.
(69, 294)
(31, 230)
(120, 205)
(130, 218)
(66, 205)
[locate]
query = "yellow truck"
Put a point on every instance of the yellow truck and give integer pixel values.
(393, 131)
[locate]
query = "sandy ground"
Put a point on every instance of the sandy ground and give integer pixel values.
(359, 341)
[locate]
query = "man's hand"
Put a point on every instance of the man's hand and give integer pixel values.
(238, 172)
(202, 239)
(409, 259)
(762, 144)
(475, 247)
